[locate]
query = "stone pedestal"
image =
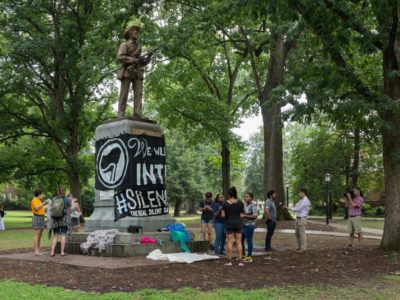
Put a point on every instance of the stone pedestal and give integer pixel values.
(103, 215)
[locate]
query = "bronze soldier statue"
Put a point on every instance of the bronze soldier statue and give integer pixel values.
(131, 71)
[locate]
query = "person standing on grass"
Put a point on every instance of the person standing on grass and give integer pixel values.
(219, 226)
(249, 216)
(270, 218)
(60, 223)
(231, 211)
(301, 209)
(2, 213)
(75, 213)
(354, 207)
(207, 217)
(38, 209)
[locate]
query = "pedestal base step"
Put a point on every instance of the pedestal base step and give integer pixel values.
(126, 238)
(129, 250)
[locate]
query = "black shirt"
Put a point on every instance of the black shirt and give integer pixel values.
(232, 215)
(207, 214)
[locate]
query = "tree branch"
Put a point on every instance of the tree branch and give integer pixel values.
(253, 63)
(212, 87)
(353, 24)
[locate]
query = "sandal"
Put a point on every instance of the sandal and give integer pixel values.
(228, 264)
(52, 255)
(241, 264)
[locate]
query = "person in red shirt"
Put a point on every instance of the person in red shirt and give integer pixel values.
(354, 206)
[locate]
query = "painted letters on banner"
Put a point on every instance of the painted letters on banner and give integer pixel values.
(134, 166)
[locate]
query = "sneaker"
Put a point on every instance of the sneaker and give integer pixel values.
(248, 259)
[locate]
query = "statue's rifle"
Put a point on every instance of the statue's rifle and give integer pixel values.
(146, 55)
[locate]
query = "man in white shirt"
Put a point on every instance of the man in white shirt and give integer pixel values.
(301, 209)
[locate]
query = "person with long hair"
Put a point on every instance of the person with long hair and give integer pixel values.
(75, 213)
(231, 211)
(60, 224)
(219, 225)
(250, 217)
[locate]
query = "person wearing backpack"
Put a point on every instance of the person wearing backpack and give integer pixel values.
(60, 211)
(249, 216)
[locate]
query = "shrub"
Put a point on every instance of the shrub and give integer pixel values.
(87, 197)
(380, 211)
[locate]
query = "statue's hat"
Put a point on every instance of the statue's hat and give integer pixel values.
(129, 29)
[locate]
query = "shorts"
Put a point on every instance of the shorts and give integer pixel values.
(75, 222)
(207, 221)
(354, 225)
(60, 230)
(233, 230)
(38, 222)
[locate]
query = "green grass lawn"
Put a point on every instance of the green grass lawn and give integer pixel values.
(17, 290)
(18, 219)
(22, 238)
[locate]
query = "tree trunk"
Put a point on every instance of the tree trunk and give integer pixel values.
(355, 172)
(271, 113)
(191, 206)
(177, 208)
(74, 184)
(225, 167)
(391, 157)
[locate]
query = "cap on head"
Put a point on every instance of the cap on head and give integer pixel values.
(129, 29)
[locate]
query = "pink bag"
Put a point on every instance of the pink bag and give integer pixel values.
(147, 240)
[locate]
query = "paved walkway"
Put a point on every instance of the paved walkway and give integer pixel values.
(343, 227)
(87, 261)
(316, 232)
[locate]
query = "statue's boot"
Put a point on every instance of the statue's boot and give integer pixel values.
(140, 116)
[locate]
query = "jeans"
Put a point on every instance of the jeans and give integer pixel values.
(270, 232)
(220, 237)
(248, 236)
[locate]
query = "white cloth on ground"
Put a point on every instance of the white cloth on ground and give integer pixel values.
(99, 239)
(179, 257)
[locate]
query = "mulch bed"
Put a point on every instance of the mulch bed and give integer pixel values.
(325, 263)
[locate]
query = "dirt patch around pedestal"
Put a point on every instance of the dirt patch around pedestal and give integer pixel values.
(326, 262)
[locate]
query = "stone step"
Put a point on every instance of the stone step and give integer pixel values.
(126, 238)
(129, 250)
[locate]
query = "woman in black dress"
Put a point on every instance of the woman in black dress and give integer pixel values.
(231, 211)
